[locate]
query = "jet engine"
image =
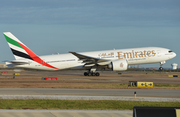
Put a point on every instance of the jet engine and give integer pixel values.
(118, 65)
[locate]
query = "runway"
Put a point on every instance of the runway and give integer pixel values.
(33, 80)
(65, 113)
(73, 97)
(92, 92)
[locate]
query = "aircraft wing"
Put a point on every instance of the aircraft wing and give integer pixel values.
(90, 60)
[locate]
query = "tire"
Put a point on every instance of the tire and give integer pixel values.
(86, 74)
(97, 74)
(93, 74)
(160, 69)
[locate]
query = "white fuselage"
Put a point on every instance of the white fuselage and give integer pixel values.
(133, 56)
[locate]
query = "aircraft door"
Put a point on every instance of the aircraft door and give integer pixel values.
(159, 53)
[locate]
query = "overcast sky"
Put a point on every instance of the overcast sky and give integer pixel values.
(51, 26)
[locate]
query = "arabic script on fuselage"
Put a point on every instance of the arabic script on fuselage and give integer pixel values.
(106, 54)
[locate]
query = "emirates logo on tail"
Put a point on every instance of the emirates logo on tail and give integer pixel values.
(121, 65)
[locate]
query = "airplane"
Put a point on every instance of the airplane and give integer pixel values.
(115, 60)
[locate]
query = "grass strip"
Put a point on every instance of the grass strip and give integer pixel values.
(80, 104)
(167, 85)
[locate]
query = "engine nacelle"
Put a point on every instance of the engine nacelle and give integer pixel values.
(118, 65)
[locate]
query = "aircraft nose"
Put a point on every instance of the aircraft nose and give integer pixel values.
(174, 54)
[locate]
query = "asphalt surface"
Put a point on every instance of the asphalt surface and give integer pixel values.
(73, 97)
(65, 113)
(78, 77)
(92, 92)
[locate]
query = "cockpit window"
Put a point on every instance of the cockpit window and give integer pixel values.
(170, 51)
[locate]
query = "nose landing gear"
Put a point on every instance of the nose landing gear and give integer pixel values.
(161, 68)
(161, 64)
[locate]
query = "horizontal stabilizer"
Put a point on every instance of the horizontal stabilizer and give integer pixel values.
(18, 62)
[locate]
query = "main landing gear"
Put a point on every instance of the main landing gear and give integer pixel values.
(92, 72)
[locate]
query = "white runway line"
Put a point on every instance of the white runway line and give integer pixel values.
(72, 97)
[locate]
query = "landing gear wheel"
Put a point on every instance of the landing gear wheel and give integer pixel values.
(89, 74)
(92, 74)
(160, 69)
(86, 74)
(97, 74)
